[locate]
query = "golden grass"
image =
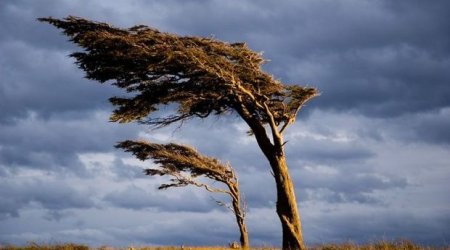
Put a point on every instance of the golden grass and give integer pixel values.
(71, 246)
(380, 245)
(34, 246)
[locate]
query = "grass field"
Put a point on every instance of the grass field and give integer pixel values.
(381, 245)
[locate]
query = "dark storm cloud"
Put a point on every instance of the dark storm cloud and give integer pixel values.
(434, 127)
(36, 73)
(19, 25)
(327, 166)
(188, 229)
(326, 151)
(375, 58)
(382, 82)
(45, 82)
(366, 226)
(339, 186)
(384, 59)
(125, 171)
(133, 197)
(51, 144)
(431, 127)
(55, 196)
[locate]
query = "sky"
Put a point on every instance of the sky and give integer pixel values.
(369, 158)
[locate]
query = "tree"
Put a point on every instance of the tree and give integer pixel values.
(202, 77)
(185, 164)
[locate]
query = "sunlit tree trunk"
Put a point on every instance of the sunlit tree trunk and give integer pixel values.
(239, 212)
(287, 209)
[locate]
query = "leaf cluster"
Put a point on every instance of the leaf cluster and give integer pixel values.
(201, 76)
(181, 162)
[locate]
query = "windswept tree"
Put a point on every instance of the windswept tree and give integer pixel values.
(184, 164)
(202, 77)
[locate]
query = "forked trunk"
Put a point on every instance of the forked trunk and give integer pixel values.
(287, 209)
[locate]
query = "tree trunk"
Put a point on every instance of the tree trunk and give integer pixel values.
(244, 234)
(287, 209)
(240, 214)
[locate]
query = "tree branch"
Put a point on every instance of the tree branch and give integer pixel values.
(276, 136)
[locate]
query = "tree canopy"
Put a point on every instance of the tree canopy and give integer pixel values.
(202, 76)
(184, 164)
(179, 161)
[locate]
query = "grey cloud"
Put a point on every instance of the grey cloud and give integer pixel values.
(4, 171)
(37, 74)
(179, 234)
(124, 228)
(333, 197)
(57, 215)
(226, 139)
(117, 227)
(19, 25)
(373, 58)
(430, 127)
(340, 225)
(352, 178)
(51, 195)
(125, 171)
(327, 152)
(332, 185)
(434, 129)
(50, 144)
(382, 82)
(133, 197)
(45, 82)
(258, 188)
(382, 70)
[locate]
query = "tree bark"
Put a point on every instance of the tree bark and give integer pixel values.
(287, 209)
(240, 215)
(244, 233)
(286, 205)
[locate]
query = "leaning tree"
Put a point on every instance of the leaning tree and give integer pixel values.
(201, 77)
(185, 165)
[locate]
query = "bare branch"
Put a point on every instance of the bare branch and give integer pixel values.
(223, 204)
(276, 136)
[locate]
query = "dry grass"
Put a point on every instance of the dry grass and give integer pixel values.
(197, 248)
(34, 246)
(70, 246)
(381, 245)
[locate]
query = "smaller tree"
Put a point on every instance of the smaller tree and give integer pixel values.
(184, 164)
